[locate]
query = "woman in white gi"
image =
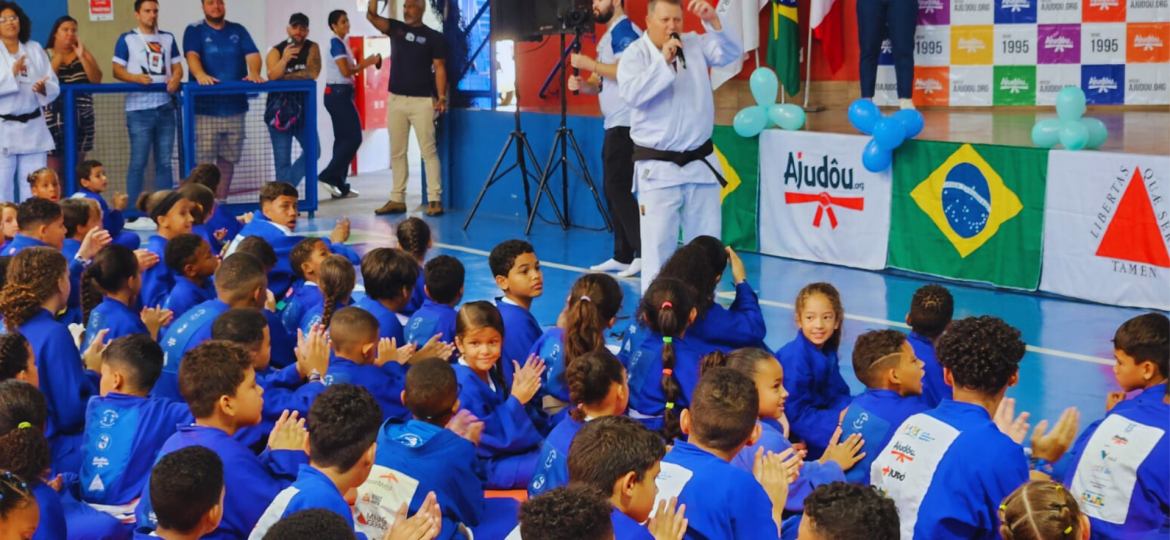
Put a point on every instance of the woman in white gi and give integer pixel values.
(27, 83)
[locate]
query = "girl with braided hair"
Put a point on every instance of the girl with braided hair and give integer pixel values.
(24, 455)
(16, 360)
(665, 368)
(337, 278)
(1042, 510)
(414, 237)
(19, 512)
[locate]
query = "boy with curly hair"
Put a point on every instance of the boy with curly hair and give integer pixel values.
(838, 511)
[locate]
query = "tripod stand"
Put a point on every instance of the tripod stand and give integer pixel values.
(561, 143)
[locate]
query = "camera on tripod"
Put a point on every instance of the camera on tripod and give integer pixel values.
(532, 20)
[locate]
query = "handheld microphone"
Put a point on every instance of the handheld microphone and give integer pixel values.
(681, 58)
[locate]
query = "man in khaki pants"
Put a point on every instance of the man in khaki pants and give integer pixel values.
(418, 73)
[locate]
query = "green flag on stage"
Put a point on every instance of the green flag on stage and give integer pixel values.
(740, 159)
(784, 45)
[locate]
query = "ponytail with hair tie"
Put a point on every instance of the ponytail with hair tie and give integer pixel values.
(666, 308)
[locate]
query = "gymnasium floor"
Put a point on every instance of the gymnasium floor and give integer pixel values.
(1069, 355)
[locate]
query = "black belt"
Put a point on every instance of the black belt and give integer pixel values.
(22, 118)
(682, 159)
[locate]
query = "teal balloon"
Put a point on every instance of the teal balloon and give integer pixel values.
(1070, 103)
(750, 121)
(1097, 132)
(787, 116)
(1046, 133)
(1073, 135)
(765, 86)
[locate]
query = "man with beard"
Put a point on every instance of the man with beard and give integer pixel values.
(296, 58)
(219, 50)
(617, 152)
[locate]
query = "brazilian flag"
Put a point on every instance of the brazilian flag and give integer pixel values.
(740, 159)
(784, 45)
(969, 212)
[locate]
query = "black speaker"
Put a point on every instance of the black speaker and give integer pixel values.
(514, 20)
(529, 20)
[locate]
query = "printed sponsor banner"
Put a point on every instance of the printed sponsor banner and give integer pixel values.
(1147, 84)
(1015, 45)
(1107, 228)
(934, 12)
(1014, 85)
(1103, 85)
(971, 86)
(972, 12)
(1059, 12)
(1147, 43)
(1051, 79)
(1015, 11)
(932, 46)
(972, 45)
(820, 204)
(1148, 10)
(932, 86)
(1103, 44)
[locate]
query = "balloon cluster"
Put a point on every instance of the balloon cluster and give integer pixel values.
(889, 132)
(753, 120)
(1071, 130)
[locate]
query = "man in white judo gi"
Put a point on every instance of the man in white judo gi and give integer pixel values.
(663, 77)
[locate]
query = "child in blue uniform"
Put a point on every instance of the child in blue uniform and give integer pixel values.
(8, 223)
(42, 224)
(16, 360)
(23, 417)
(722, 500)
(44, 183)
(741, 324)
(517, 273)
(665, 368)
(444, 276)
(360, 358)
(948, 468)
(931, 311)
(219, 385)
(19, 511)
(592, 308)
(597, 388)
(172, 213)
(124, 428)
(80, 217)
(38, 286)
(1126, 492)
(193, 264)
(91, 176)
(884, 362)
(768, 377)
(305, 259)
(840, 511)
(203, 206)
(812, 371)
(510, 446)
(110, 288)
(208, 175)
(187, 489)
(240, 282)
(343, 425)
(336, 278)
(414, 237)
(572, 512)
(277, 222)
(1042, 509)
(389, 276)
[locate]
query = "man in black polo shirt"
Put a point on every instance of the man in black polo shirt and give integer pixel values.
(418, 90)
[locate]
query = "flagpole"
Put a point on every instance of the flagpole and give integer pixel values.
(808, 73)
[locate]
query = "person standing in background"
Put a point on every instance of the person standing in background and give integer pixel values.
(877, 19)
(219, 50)
(73, 64)
(295, 58)
(418, 94)
(339, 95)
(27, 83)
(146, 56)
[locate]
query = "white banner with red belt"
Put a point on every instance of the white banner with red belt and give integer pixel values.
(818, 203)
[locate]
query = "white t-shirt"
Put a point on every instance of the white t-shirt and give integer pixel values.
(152, 54)
(338, 50)
(609, 50)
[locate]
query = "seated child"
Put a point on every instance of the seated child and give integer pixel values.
(510, 446)
(312, 523)
(444, 276)
(517, 273)
(110, 288)
(839, 511)
(188, 490)
(8, 224)
(414, 237)
(219, 385)
(884, 361)
(193, 264)
(276, 224)
(19, 512)
(203, 206)
(931, 310)
(336, 279)
(172, 213)
(258, 247)
(389, 276)
(24, 456)
(80, 216)
(597, 388)
(1130, 498)
(665, 369)
(125, 428)
(722, 500)
(16, 360)
(44, 184)
(91, 176)
(239, 283)
(42, 225)
(812, 371)
(37, 287)
(592, 308)
(947, 468)
(768, 377)
(304, 293)
(284, 340)
(343, 425)
(360, 358)
(568, 513)
(1044, 510)
(208, 175)
(737, 326)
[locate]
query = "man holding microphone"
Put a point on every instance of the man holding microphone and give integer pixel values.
(677, 176)
(617, 152)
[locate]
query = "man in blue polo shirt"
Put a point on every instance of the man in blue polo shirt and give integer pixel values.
(218, 50)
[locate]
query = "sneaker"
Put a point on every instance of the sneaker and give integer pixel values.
(347, 192)
(610, 266)
(905, 104)
(333, 190)
(634, 269)
(141, 224)
(434, 208)
(391, 208)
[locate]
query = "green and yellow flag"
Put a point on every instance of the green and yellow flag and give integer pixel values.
(740, 159)
(784, 45)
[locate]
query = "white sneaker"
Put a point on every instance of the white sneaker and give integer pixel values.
(141, 224)
(905, 104)
(634, 269)
(609, 266)
(333, 190)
